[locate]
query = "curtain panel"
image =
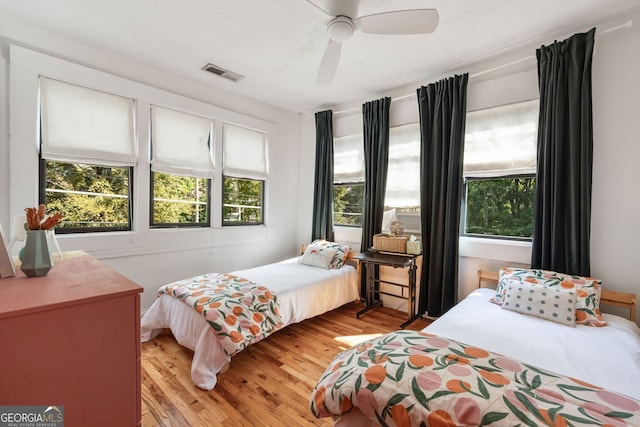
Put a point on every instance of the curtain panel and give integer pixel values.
(375, 120)
(442, 108)
(562, 216)
(375, 116)
(322, 227)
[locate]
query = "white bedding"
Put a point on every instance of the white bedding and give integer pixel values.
(302, 291)
(607, 356)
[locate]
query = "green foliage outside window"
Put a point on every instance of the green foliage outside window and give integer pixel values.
(89, 197)
(348, 201)
(179, 199)
(242, 201)
(500, 207)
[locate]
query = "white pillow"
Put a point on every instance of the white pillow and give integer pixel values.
(318, 256)
(550, 303)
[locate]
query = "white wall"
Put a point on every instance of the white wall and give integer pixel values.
(512, 77)
(616, 199)
(149, 257)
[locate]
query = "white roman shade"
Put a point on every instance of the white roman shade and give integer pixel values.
(244, 153)
(403, 173)
(502, 140)
(82, 125)
(180, 143)
(348, 159)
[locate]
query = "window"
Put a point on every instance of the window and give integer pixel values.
(402, 196)
(181, 169)
(243, 200)
(348, 180)
(499, 170)
(87, 156)
(245, 170)
(179, 200)
(91, 197)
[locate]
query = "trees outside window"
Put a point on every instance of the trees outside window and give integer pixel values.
(90, 197)
(348, 200)
(242, 201)
(500, 207)
(179, 200)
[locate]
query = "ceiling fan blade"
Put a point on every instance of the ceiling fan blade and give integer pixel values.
(329, 63)
(412, 21)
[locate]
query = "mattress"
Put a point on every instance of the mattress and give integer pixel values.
(607, 356)
(303, 292)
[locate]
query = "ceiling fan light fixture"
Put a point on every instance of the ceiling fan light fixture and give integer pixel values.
(340, 28)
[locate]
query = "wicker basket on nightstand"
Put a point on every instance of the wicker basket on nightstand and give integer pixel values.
(390, 243)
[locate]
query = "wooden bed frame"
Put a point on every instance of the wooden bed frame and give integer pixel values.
(612, 298)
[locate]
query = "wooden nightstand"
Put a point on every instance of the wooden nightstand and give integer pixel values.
(368, 262)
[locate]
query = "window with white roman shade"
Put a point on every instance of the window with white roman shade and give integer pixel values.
(244, 153)
(501, 140)
(180, 143)
(348, 180)
(500, 157)
(403, 173)
(83, 125)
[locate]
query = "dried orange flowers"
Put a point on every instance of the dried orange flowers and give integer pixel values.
(37, 218)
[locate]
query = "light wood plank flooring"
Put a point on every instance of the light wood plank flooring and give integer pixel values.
(267, 384)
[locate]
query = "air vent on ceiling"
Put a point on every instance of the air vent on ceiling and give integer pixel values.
(234, 77)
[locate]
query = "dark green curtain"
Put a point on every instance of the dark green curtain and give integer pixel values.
(442, 106)
(375, 120)
(323, 187)
(562, 218)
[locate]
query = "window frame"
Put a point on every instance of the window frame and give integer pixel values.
(463, 208)
(263, 183)
(333, 212)
(162, 225)
(42, 196)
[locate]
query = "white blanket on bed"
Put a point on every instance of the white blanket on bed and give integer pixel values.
(303, 292)
(606, 356)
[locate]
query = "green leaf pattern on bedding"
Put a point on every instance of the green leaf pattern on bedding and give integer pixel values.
(409, 378)
(240, 312)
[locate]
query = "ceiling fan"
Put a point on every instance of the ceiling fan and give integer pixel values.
(346, 21)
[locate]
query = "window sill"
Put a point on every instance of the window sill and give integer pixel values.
(473, 247)
(496, 249)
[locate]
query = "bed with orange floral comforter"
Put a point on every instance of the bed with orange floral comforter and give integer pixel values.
(409, 378)
(240, 311)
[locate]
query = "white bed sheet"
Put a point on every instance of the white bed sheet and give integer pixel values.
(608, 356)
(302, 291)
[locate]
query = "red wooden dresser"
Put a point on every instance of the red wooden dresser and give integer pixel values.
(72, 338)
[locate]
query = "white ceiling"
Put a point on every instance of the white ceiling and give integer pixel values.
(278, 44)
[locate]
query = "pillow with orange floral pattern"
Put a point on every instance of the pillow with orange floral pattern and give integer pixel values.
(341, 252)
(587, 290)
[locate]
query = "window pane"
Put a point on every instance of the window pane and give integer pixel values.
(179, 200)
(500, 207)
(90, 197)
(242, 201)
(402, 196)
(348, 201)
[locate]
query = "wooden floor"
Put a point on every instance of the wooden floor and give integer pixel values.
(267, 384)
